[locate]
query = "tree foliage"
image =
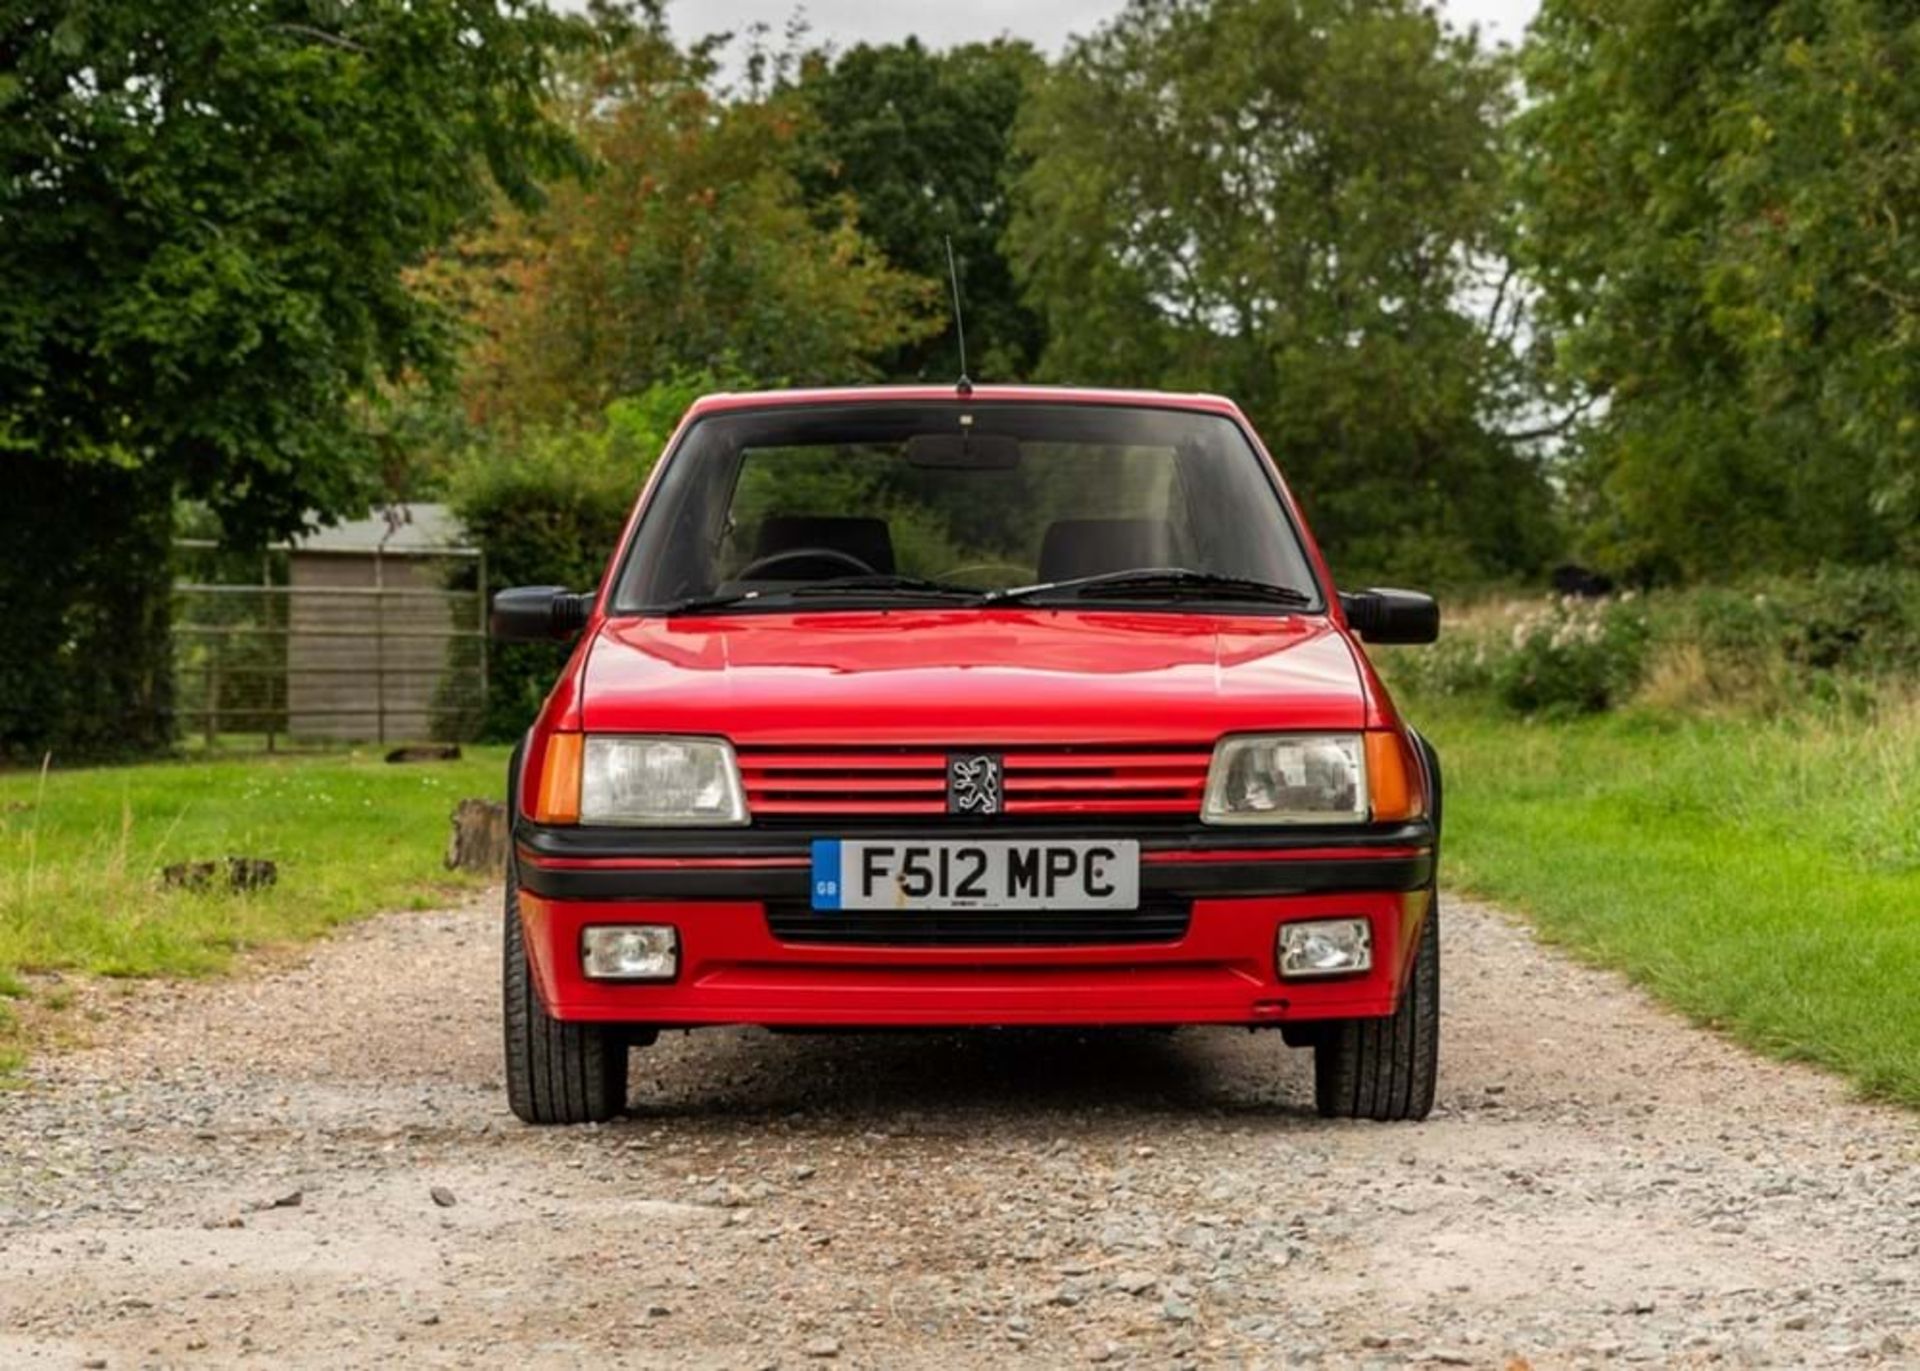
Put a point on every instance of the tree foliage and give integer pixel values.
(922, 141)
(691, 249)
(86, 667)
(225, 272)
(1718, 203)
(207, 210)
(546, 505)
(1287, 200)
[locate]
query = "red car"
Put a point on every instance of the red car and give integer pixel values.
(913, 708)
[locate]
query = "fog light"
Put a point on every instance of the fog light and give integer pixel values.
(1325, 947)
(630, 952)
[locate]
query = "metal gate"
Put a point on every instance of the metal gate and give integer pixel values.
(360, 646)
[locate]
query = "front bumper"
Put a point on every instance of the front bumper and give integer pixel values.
(714, 889)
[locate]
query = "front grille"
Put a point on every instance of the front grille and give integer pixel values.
(1160, 921)
(1094, 778)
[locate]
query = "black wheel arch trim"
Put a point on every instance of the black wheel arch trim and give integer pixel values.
(514, 763)
(1430, 758)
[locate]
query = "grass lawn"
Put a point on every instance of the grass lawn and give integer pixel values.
(81, 851)
(1763, 877)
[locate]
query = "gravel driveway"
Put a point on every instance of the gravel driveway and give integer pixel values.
(314, 1166)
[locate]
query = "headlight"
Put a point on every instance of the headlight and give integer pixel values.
(1288, 778)
(632, 780)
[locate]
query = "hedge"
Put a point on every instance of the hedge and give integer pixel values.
(547, 507)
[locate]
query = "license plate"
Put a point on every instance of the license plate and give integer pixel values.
(994, 874)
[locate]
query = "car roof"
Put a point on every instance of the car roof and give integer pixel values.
(980, 394)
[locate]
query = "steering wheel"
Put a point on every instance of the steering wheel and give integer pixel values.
(1021, 573)
(756, 570)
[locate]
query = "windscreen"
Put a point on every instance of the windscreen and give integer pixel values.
(856, 502)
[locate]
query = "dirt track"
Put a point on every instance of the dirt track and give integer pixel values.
(1600, 1182)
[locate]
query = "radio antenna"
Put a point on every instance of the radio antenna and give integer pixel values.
(965, 386)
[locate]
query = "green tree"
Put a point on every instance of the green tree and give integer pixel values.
(547, 506)
(1293, 201)
(208, 209)
(692, 249)
(1718, 208)
(923, 143)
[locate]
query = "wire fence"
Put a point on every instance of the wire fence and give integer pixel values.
(329, 647)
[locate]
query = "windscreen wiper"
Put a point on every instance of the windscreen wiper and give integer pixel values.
(850, 587)
(884, 584)
(700, 604)
(1155, 583)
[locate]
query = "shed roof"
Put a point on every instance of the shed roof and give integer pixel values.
(414, 529)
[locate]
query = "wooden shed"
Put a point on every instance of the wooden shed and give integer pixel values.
(381, 645)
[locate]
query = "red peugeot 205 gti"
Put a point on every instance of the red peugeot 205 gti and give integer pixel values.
(911, 708)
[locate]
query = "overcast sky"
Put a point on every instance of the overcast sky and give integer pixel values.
(1047, 23)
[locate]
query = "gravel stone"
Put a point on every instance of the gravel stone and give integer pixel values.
(1642, 1193)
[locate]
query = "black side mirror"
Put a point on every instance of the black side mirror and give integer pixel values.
(1392, 616)
(539, 614)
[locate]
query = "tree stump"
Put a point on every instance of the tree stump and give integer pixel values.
(241, 873)
(189, 875)
(426, 752)
(480, 837)
(251, 873)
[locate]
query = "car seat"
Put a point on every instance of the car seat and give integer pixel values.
(865, 538)
(1092, 547)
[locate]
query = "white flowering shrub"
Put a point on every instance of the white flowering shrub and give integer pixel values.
(1463, 662)
(1840, 636)
(1573, 656)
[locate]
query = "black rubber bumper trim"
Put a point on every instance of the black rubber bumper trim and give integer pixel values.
(577, 842)
(1192, 880)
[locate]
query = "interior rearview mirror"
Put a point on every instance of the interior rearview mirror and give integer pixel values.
(1392, 616)
(538, 614)
(963, 451)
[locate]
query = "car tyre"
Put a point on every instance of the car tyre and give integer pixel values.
(1386, 1069)
(557, 1073)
